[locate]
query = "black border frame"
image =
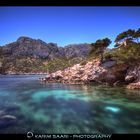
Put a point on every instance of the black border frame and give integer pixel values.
(69, 3)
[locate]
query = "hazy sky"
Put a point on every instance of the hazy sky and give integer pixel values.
(66, 25)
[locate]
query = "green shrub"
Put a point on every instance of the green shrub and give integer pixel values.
(127, 54)
(83, 62)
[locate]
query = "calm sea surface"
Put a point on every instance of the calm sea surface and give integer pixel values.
(26, 104)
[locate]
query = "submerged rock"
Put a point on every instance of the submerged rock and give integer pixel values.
(8, 117)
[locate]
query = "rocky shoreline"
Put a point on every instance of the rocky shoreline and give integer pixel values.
(106, 73)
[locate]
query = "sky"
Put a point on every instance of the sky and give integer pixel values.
(66, 25)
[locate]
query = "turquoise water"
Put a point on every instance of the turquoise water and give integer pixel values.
(58, 108)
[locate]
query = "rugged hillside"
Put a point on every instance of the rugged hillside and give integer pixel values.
(107, 73)
(27, 55)
(77, 50)
(93, 71)
(117, 66)
(25, 46)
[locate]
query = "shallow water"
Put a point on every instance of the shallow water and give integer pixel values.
(59, 108)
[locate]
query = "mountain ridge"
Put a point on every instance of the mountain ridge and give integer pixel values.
(39, 48)
(36, 53)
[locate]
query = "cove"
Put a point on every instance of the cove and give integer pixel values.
(26, 105)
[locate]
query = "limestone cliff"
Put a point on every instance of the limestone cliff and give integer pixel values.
(108, 73)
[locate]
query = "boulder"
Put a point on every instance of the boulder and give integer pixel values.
(108, 64)
(8, 117)
(133, 85)
(133, 75)
(130, 78)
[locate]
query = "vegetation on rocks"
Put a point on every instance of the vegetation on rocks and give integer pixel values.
(99, 47)
(60, 63)
(127, 48)
(28, 55)
(106, 66)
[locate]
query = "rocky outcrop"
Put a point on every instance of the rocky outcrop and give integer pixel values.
(133, 77)
(135, 85)
(106, 73)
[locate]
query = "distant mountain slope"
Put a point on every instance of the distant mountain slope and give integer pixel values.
(25, 46)
(77, 50)
(32, 55)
